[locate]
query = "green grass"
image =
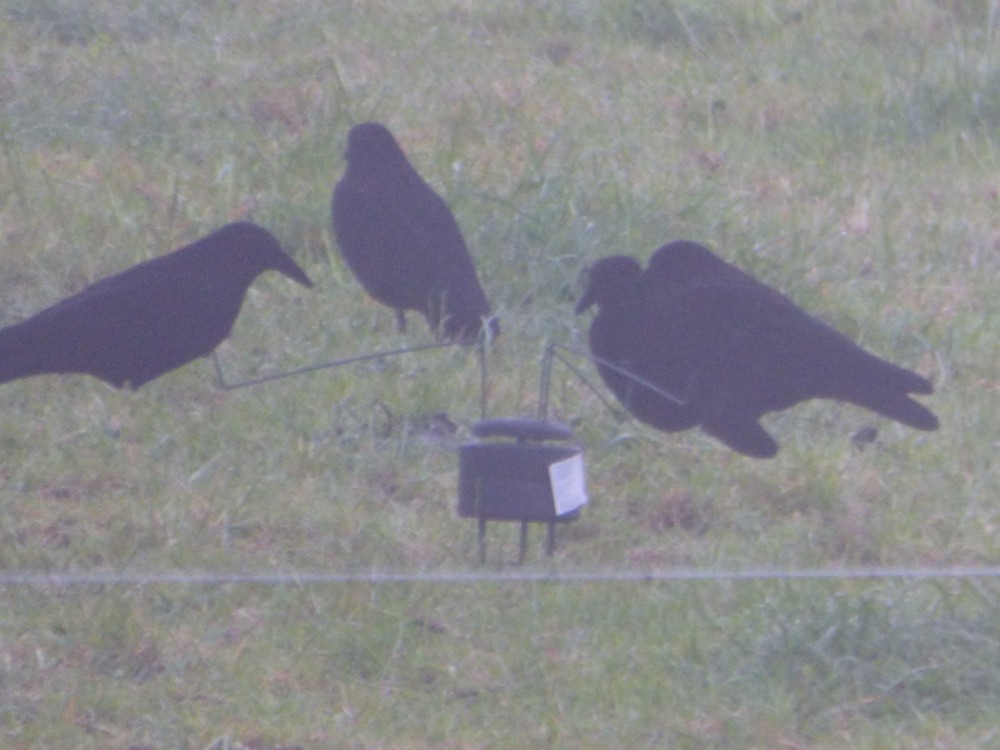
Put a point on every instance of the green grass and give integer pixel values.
(844, 152)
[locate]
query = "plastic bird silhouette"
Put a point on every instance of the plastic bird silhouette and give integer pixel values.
(401, 240)
(152, 318)
(722, 349)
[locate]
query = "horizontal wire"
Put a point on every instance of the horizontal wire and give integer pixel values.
(209, 578)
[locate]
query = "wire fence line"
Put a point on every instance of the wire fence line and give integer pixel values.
(519, 575)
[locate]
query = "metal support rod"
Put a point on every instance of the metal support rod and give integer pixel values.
(546, 378)
(483, 377)
(482, 540)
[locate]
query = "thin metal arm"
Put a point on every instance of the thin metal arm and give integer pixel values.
(552, 351)
(322, 365)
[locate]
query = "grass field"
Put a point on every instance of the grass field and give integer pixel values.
(846, 153)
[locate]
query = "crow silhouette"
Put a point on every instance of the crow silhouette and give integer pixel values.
(156, 316)
(722, 349)
(401, 240)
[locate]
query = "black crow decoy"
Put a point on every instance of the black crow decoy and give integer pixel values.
(158, 315)
(401, 240)
(722, 349)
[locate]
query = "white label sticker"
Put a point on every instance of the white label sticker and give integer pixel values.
(569, 485)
